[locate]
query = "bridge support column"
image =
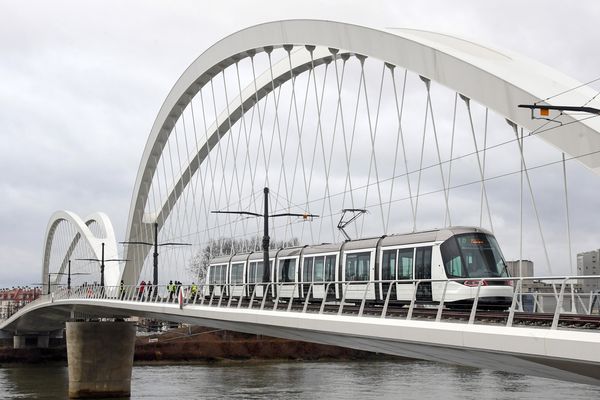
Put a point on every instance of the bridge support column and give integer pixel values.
(19, 342)
(100, 357)
(31, 341)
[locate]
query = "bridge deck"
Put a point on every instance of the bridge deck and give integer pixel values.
(568, 353)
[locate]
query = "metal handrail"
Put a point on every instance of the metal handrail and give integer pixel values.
(272, 291)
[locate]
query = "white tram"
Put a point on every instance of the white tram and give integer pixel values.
(466, 254)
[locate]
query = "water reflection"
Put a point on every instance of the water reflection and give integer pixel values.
(304, 380)
(48, 381)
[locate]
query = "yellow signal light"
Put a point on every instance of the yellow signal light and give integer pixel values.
(544, 112)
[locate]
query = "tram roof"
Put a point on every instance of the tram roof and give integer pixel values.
(220, 260)
(290, 251)
(437, 235)
(323, 248)
(240, 257)
(362, 243)
(258, 255)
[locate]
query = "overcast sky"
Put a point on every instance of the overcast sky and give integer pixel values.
(81, 84)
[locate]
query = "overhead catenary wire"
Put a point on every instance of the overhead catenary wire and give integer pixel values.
(279, 124)
(569, 90)
(431, 192)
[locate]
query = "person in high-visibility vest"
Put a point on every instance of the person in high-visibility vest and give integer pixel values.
(193, 292)
(171, 290)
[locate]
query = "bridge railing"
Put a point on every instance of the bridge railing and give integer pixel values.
(372, 298)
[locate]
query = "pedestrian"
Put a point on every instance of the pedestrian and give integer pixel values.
(171, 290)
(122, 289)
(193, 292)
(141, 290)
(178, 289)
(150, 287)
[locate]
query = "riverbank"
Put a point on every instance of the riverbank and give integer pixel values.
(199, 344)
(204, 344)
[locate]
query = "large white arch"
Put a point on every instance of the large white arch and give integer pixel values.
(497, 80)
(112, 270)
(264, 84)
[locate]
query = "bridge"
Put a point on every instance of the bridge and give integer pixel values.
(419, 129)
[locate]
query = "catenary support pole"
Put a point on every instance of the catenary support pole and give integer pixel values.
(266, 239)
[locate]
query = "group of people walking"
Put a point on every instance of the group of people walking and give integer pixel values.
(146, 289)
(173, 288)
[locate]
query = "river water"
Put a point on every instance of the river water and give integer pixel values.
(304, 380)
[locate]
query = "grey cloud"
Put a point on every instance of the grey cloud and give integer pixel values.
(82, 83)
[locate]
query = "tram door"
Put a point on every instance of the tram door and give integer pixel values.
(256, 276)
(423, 271)
(397, 265)
(388, 273)
(307, 276)
(286, 273)
(405, 288)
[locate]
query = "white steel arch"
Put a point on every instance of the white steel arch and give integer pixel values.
(112, 271)
(497, 80)
(263, 85)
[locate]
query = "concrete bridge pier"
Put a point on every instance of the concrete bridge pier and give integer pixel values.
(100, 357)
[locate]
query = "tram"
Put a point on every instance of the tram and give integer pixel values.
(466, 255)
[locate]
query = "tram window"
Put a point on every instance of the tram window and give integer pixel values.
(330, 268)
(287, 270)
(256, 272)
(358, 266)
(455, 267)
(388, 265)
(214, 276)
(452, 258)
(211, 274)
(251, 272)
(319, 268)
(423, 263)
(308, 270)
(259, 271)
(472, 255)
(252, 275)
(222, 272)
(405, 263)
(237, 273)
(217, 274)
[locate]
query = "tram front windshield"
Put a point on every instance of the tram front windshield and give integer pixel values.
(473, 255)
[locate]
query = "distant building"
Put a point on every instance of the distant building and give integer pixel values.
(530, 285)
(526, 267)
(11, 300)
(588, 263)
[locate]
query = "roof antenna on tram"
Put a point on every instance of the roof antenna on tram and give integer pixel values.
(352, 213)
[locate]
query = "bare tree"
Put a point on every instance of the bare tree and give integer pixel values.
(217, 247)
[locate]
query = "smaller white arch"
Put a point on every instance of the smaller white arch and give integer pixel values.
(112, 271)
